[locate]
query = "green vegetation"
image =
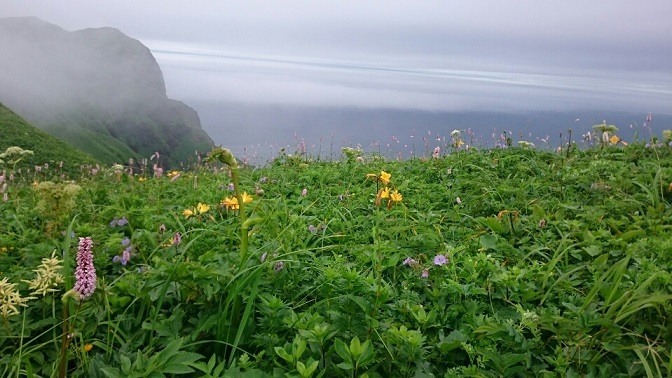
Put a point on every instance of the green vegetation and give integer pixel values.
(114, 138)
(509, 262)
(15, 131)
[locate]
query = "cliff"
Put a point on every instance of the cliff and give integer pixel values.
(95, 87)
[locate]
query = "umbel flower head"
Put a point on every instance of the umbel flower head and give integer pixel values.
(85, 273)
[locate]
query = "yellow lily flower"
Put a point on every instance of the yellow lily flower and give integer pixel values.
(230, 203)
(202, 208)
(385, 177)
(396, 196)
(187, 213)
(614, 139)
(385, 193)
(247, 198)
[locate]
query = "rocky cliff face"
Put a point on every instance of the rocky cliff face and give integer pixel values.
(94, 83)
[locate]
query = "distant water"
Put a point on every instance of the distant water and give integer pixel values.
(258, 132)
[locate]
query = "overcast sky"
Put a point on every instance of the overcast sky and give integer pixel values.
(429, 55)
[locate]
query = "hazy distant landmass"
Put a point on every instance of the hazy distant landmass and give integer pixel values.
(95, 87)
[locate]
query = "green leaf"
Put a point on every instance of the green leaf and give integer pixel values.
(111, 372)
(367, 354)
(342, 351)
(280, 351)
(125, 364)
(355, 348)
(593, 250)
(176, 368)
(168, 352)
(488, 241)
(346, 366)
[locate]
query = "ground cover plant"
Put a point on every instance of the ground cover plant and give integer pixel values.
(507, 262)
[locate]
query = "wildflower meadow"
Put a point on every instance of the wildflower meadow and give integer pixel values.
(514, 261)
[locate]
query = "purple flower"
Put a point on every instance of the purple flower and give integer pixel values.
(119, 222)
(263, 257)
(440, 260)
(116, 259)
(231, 188)
(162, 228)
(177, 239)
(304, 192)
(263, 179)
(125, 242)
(85, 273)
(279, 265)
(425, 273)
(410, 262)
(312, 229)
(126, 256)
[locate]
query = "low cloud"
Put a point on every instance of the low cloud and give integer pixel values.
(204, 73)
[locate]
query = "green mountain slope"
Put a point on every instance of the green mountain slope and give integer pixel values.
(15, 131)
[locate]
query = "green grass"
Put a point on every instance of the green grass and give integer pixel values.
(556, 266)
(15, 131)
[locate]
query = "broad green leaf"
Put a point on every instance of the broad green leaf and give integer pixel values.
(342, 350)
(488, 241)
(280, 351)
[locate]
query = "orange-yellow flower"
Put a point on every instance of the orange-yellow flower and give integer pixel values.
(385, 193)
(614, 139)
(202, 208)
(187, 213)
(385, 177)
(141, 179)
(230, 203)
(395, 196)
(88, 347)
(247, 198)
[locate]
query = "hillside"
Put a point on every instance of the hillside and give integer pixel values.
(15, 131)
(98, 89)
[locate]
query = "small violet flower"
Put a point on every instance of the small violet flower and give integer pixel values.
(312, 229)
(304, 192)
(425, 273)
(410, 262)
(279, 265)
(440, 260)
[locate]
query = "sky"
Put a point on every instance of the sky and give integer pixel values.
(491, 55)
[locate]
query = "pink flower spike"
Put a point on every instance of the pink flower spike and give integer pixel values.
(85, 273)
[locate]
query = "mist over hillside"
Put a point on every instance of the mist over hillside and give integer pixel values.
(94, 83)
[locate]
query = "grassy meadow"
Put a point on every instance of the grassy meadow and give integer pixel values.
(506, 262)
